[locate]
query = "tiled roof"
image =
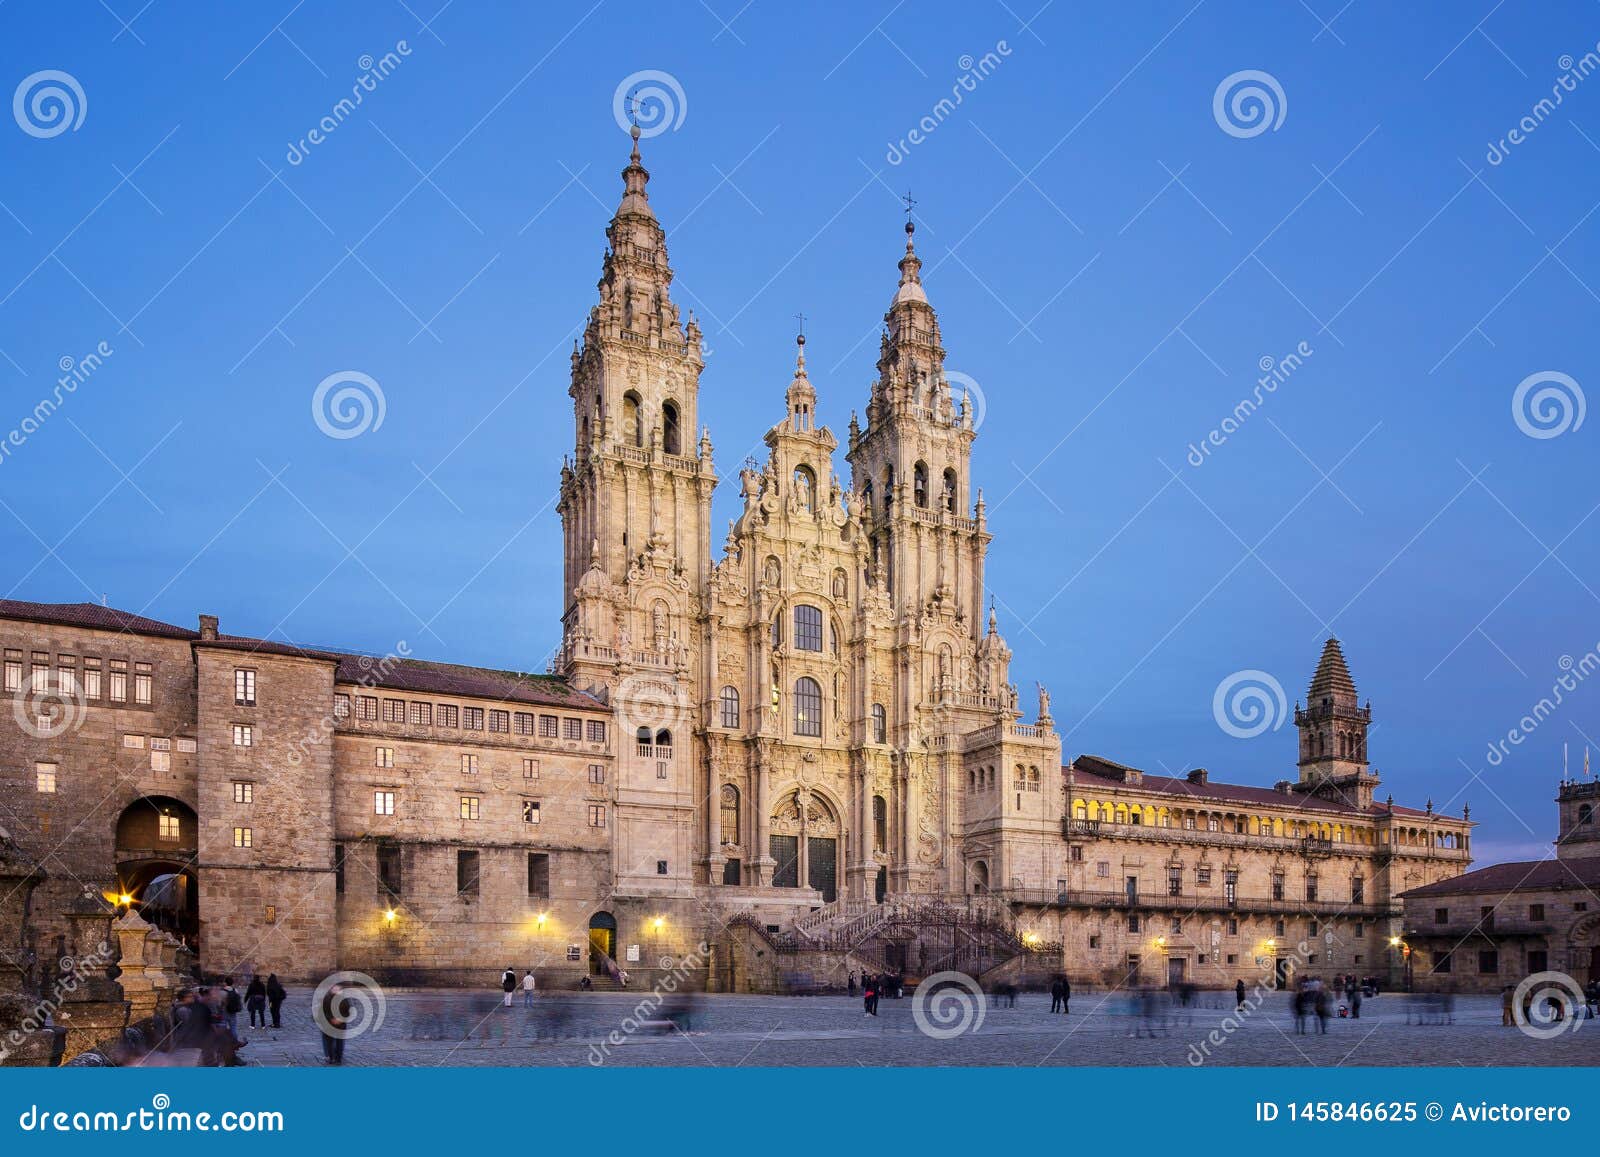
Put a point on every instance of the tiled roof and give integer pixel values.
(91, 616)
(1517, 876)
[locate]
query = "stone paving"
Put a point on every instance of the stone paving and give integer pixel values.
(454, 1028)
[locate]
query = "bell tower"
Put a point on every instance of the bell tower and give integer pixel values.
(1333, 734)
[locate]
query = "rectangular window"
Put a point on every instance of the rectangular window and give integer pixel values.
(472, 718)
(499, 720)
(1441, 915)
(244, 735)
(1360, 930)
(1094, 941)
(1177, 924)
(1535, 911)
(421, 714)
(244, 791)
(662, 768)
(1233, 927)
(466, 873)
(446, 715)
(167, 827)
(243, 838)
(597, 731)
(390, 864)
(67, 674)
(394, 710)
(119, 680)
(807, 628)
(383, 803)
(383, 757)
(160, 761)
(141, 683)
(597, 815)
(1488, 962)
(187, 746)
(1133, 922)
(1202, 875)
(1311, 887)
(244, 687)
(369, 708)
(1538, 960)
(1277, 885)
(469, 807)
(547, 726)
(44, 777)
(341, 706)
(469, 764)
(91, 678)
(530, 811)
(1174, 881)
(1075, 854)
(1213, 824)
(661, 867)
(539, 875)
(1442, 962)
(530, 769)
(522, 723)
(339, 855)
(572, 729)
(13, 671)
(1102, 868)
(1358, 890)
(1230, 885)
(597, 773)
(157, 743)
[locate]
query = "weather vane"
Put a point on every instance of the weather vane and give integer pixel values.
(910, 202)
(802, 320)
(632, 103)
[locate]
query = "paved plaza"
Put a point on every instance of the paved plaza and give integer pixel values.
(469, 1029)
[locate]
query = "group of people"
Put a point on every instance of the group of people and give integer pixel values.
(1060, 994)
(1554, 1006)
(509, 984)
(1312, 997)
(875, 986)
(207, 1018)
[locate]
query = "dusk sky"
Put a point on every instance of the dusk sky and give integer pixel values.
(1115, 249)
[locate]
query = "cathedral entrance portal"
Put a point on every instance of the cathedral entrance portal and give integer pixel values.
(804, 843)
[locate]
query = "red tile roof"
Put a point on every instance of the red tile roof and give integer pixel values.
(91, 616)
(1517, 876)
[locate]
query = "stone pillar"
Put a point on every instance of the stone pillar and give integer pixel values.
(84, 999)
(140, 972)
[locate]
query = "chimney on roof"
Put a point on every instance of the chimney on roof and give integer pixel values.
(208, 627)
(1282, 787)
(1198, 776)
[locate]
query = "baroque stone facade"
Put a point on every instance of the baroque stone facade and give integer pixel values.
(809, 745)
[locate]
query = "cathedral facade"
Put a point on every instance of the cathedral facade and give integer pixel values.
(796, 755)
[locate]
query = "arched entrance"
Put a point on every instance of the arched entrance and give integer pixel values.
(980, 877)
(1583, 949)
(602, 943)
(156, 843)
(804, 842)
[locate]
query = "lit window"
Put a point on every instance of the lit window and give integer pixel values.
(530, 811)
(45, 777)
(469, 765)
(119, 680)
(13, 679)
(383, 803)
(244, 687)
(383, 757)
(341, 706)
(369, 708)
(469, 807)
(394, 710)
(160, 761)
(91, 678)
(167, 827)
(807, 706)
(597, 815)
(880, 724)
(244, 791)
(244, 735)
(243, 838)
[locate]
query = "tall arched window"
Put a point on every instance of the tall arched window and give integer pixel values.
(919, 484)
(807, 706)
(730, 706)
(880, 724)
(949, 497)
(671, 439)
(807, 628)
(730, 814)
(632, 419)
(888, 487)
(880, 824)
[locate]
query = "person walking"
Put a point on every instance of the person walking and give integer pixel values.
(1355, 1002)
(232, 1003)
(1055, 995)
(1238, 995)
(869, 994)
(508, 984)
(1066, 996)
(1321, 1008)
(255, 999)
(276, 994)
(1506, 996)
(852, 989)
(332, 1024)
(527, 989)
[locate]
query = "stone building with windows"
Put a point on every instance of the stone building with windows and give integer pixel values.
(1486, 929)
(806, 750)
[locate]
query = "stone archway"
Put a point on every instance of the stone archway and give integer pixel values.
(804, 843)
(157, 839)
(1583, 948)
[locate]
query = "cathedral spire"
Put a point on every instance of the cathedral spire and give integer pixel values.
(634, 178)
(801, 395)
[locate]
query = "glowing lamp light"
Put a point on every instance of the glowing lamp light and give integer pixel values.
(389, 915)
(659, 923)
(1162, 941)
(1394, 942)
(125, 899)
(541, 918)
(1031, 939)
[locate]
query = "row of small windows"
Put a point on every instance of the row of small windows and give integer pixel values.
(369, 708)
(391, 861)
(94, 679)
(987, 779)
(949, 498)
(807, 710)
(633, 428)
(1136, 815)
(384, 757)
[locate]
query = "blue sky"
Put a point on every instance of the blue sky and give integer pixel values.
(1110, 265)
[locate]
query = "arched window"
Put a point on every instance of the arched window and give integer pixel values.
(880, 724)
(888, 487)
(880, 824)
(807, 628)
(949, 496)
(919, 484)
(805, 488)
(807, 706)
(643, 735)
(1585, 813)
(671, 439)
(663, 738)
(632, 419)
(730, 814)
(730, 706)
